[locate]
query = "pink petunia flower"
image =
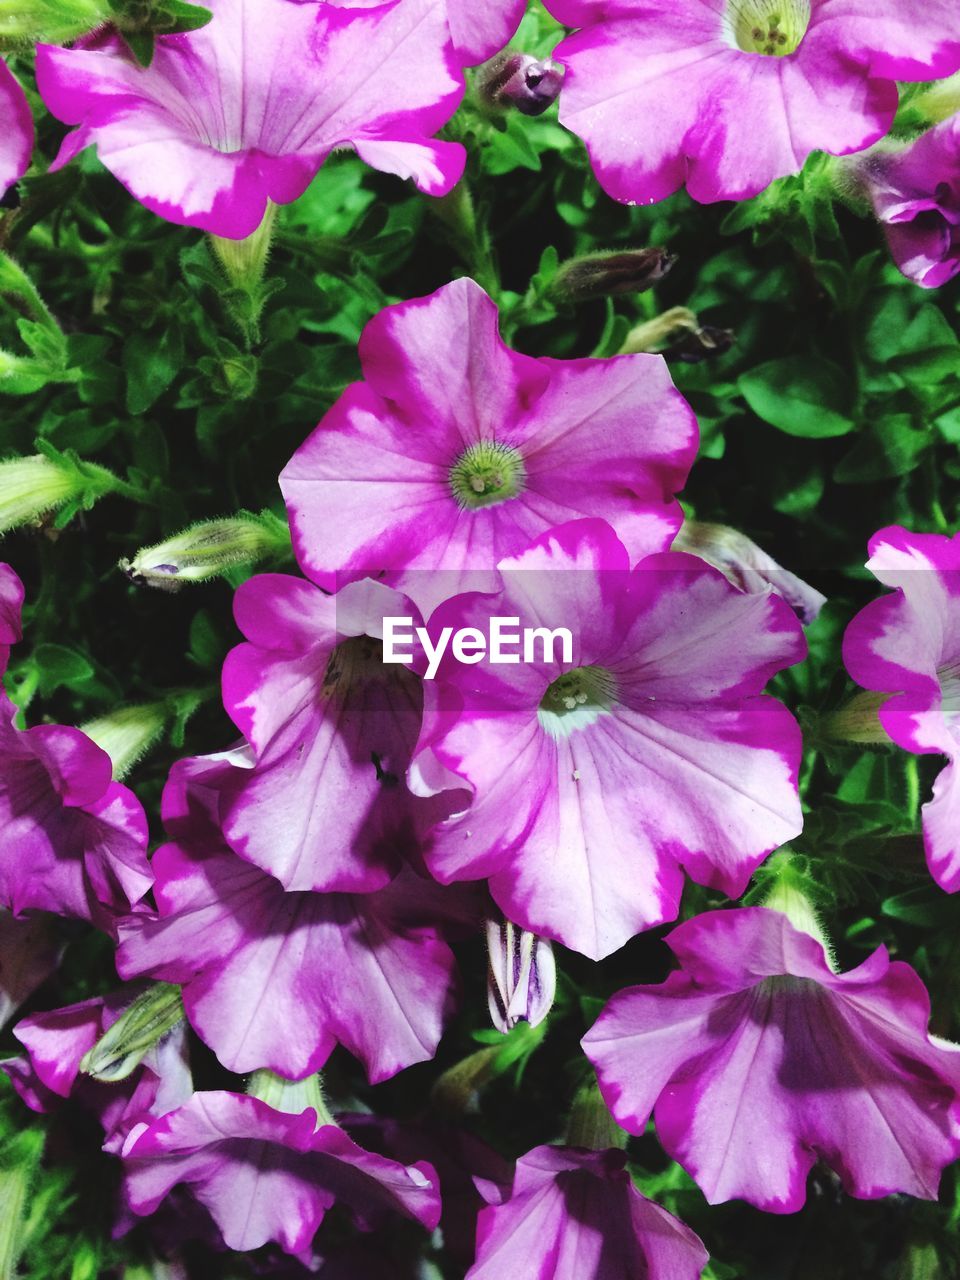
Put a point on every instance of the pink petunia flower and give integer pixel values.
(757, 1058)
(72, 841)
(574, 1214)
(456, 451)
(595, 780)
(56, 1042)
(16, 132)
(908, 645)
(325, 805)
(915, 192)
(276, 979)
(479, 28)
(11, 602)
(727, 95)
(246, 109)
(29, 954)
(265, 1174)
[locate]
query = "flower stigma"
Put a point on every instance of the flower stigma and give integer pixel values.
(770, 27)
(576, 699)
(486, 473)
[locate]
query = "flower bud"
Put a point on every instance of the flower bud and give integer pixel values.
(748, 566)
(602, 275)
(677, 334)
(857, 720)
(521, 976)
(145, 1022)
(207, 550)
(519, 80)
(293, 1096)
(27, 22)
(127, 734)
(32, 487)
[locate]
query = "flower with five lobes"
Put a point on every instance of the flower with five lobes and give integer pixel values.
(908, 645)
(455, 452)
(16, 132)
(246, 109)
(277, 979)
(757, 1057)
(596, 781)
(915, 192)
(727, 95)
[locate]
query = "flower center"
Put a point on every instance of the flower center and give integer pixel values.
(771, 27)
(485, 474)
(576, 699)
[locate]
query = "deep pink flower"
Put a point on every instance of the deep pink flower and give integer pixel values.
(596, 780)
(575, 1214)
(29, 953)
(456, 451)
(72, 841)
(727, 95)
(56, 1042)
(247, 108)
(276, 979)
(325, 806)
(16, 135)
(915, 192)
(908, 644)
(267, 1175)
(11, 602)
(758, 1058)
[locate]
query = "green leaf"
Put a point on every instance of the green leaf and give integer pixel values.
(802, 396)
(57, 665)
(151, 361)
(892, 447)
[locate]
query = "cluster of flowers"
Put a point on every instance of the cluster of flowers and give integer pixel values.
(317, 871)
(245, 110)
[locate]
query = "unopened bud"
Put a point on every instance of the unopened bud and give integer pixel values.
(858, 720)
(32, 487)
(521, 975)
(143, 1024)
(27, 22)
(127, 734)
(602, 275)
(678, 335)
(519, 80)
(293, 1096)
(207, 550)
(748, 566)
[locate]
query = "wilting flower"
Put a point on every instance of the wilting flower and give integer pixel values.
(908, 645)
(727, 95)
(11, 602)
(596, 779)
(456, 451)
(16, 136)
(29, 953)
(756, 1023)
(265, 1174)
(332, 728)
(748, 566)
(247, 108)
(574, 1214)
(915, 192)
(276, 979)
(56, 1043)
(519, 80)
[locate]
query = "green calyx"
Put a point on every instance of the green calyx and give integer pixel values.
(773, 28)
(487, 473)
